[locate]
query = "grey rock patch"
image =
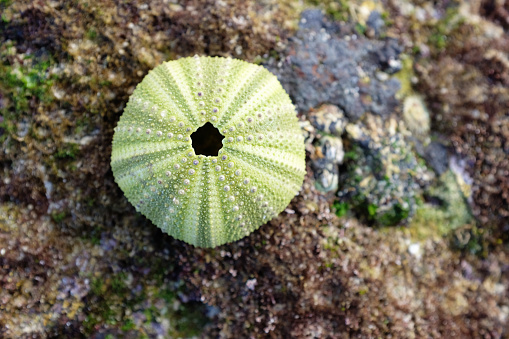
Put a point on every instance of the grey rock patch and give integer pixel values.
(328, 63)
(376, 23)
(437, 157)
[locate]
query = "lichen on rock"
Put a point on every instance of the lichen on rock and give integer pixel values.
(330, 64)
(383, 178)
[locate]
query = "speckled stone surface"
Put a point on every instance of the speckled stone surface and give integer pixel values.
(78, 261)
(328, 63)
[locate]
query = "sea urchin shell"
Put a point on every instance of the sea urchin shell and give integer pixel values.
(205, 199)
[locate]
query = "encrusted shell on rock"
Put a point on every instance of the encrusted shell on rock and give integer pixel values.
(416, 115)
(201, 199)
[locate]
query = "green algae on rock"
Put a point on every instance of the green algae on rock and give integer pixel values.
(217, 197)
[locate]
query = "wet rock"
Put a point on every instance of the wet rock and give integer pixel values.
(329, 119)
(316, 276)
(309, 133)
(332, 149)
(388, 56)
(330, 154)
(376, 23)
(314, 20)
(444, 208)
(326, 147)
(382, 177)
(437, 157)
(327, 63)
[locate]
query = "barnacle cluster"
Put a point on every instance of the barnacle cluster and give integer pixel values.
(209, 199)
(382, 177)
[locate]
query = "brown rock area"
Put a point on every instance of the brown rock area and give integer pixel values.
(464, 71)
(77, 261)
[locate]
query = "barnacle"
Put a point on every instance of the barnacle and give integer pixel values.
(416, 115)
(193, 193)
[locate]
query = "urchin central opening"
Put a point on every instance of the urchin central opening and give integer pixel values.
(207, 140)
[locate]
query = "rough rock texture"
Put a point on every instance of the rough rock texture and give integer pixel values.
(332, 281)
(327, 150)
(76, 261)
(463, 69)
(382, 178)
(67, 71)
(330, 63)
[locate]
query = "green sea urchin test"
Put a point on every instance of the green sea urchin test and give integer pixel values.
(201, 195)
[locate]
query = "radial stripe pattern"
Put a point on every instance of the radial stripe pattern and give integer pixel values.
(208, 200)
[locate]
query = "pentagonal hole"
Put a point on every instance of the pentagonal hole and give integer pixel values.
(207, 140)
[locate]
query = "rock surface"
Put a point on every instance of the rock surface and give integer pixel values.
(77, 261)
(328, 63)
